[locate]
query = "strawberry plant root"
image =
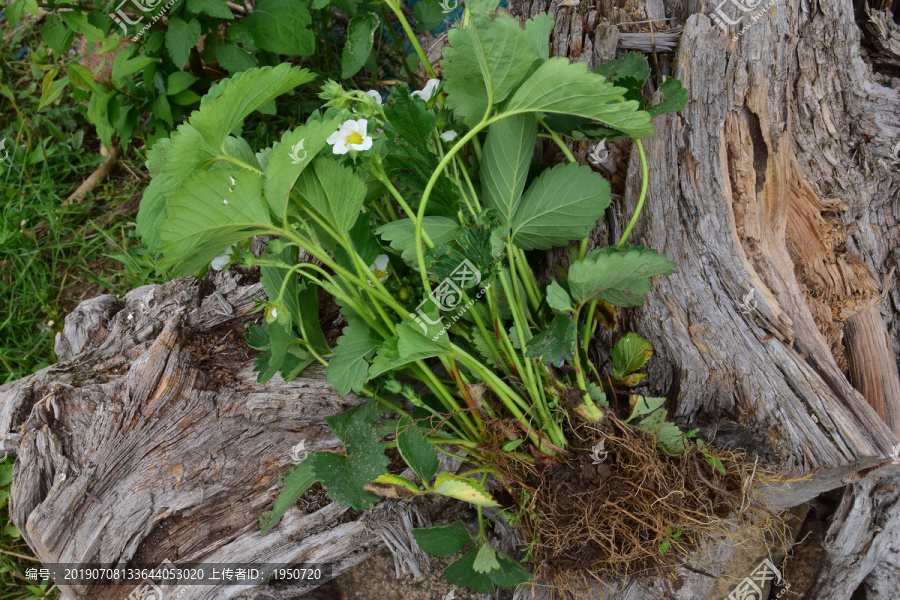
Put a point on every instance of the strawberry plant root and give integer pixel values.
(619, 507)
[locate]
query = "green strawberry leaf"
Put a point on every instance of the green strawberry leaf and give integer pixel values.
(462, 573)
(347, 369)
(209, 213)
(443, 541)
(619, 275)
(416, 450)
(296, 482)
(462, 488)
(561, 205)
(344, 476)
(555, 344)
(483, 64)
(486, 559)
(560, 87)
(630, 354)
(290, 157)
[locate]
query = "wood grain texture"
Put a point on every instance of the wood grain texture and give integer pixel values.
(151, 440)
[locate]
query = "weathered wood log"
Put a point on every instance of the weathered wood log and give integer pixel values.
(152, 440)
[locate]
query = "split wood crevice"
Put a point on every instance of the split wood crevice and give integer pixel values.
(777, 179)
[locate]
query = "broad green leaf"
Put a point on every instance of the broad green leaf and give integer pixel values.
(505, 162)
(178, 82)
(444, 540)
(181, 36)
(555, 344)
(213, 8)
(539, 29)
(557, 298)
(282, 27)
(486, 559)
(621, 276)
(482, 7)
(78, 22)
(633, 64)
(347, 368)
(429, 14)
(82, 77)
(561, 205)
(510, 574)
(462, 488)
(234, 99)
(204, 216)
(289, 157)
(296, 482)
(344, 476)
(51, 90)
(57, 37)
(363, 241)
(401, 235)
(234, 59)
(360, 35)
(630, 354)
(336, 193)
(645, 405)
(671, 439)
(559, 87)
(416, 450)
(409, 345)
(393, 486)
(483, 64)
(676, 98)
(186, 98)
(462, 573)
(162, 111)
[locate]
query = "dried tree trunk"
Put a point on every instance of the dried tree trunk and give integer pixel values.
(151, 440)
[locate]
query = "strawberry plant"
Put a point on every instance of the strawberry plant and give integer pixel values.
(420, 212)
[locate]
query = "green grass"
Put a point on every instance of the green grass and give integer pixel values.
(51, 256)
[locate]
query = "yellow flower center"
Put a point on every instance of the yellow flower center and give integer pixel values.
(353, 138)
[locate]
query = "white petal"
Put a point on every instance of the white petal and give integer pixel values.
(381, 262)
(449, 136)
(361, 127)
(427, 92)
(334, 138)
(366, 144)
(220, 262)
(341, 147)
(274, 313)
(375, 95)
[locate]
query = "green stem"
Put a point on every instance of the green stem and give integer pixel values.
(559, 142)
(645, 180)
(398, 10)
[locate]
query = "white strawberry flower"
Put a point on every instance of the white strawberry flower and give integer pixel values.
(449, 136)
(380, 268)
(427, 92)
(350, 136)
(375, 95)
(222, 261)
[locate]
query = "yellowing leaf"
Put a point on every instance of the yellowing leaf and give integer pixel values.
(461, 488)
